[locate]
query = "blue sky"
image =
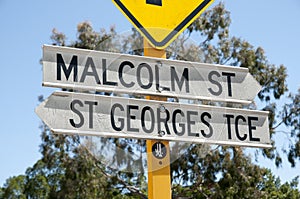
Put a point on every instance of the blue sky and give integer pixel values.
(27, 25)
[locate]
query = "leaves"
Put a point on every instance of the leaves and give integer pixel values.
(290, 116)
(14, 187)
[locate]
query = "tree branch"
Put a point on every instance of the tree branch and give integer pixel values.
(100, 166)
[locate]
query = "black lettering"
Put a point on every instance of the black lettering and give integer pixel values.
(190, 123)
(181, 125)
(104, 68)
(139, 76)
(239, 117)
(229, 75)
(67, 71)
(91, 111)
(184, 78)
(131, 117)
(228, 117)
(208, 115)
(86, 72)
(250, 119)
(151, 120)
(76, 111)
(112, 117)
(121, 70)
(210, 78)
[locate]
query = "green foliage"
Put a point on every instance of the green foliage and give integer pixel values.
(1, 192)
(219, 47)
(71, 167)
(14, 188)
(272, 188)
(220, 174)
(228, 174)
(290, 116)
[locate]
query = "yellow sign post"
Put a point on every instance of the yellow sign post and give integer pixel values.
(161, 21)
(158, 152)
(159, 179)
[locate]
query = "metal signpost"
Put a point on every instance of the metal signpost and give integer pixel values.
(153, 119)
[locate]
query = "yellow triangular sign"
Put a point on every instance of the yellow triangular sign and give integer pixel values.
(161, 21)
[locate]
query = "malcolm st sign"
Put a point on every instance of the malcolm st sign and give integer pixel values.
(112, 72)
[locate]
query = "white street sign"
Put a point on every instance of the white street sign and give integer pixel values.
(86, 114)
(111, 72)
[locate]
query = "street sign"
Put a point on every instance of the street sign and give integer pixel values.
(86, 114)
(161, 21)
(111, 72)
